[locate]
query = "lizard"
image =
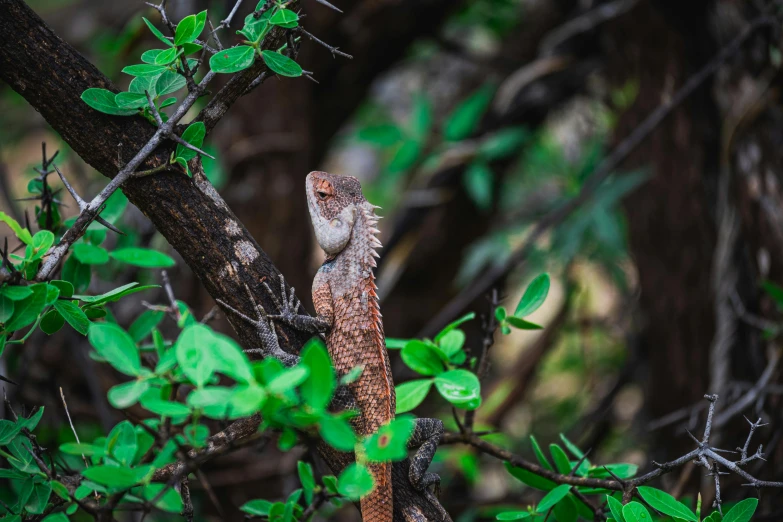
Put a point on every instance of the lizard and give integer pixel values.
(348, 313)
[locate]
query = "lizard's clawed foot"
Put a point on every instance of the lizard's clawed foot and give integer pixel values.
(425, 438)
(287, 305)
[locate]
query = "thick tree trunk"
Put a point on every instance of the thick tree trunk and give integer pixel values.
(671, 229)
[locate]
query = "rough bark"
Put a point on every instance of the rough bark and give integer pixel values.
(189, 213)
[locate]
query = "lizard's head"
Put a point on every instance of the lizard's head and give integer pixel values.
(334, 203)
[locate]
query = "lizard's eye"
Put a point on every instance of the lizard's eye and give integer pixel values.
(322, 195)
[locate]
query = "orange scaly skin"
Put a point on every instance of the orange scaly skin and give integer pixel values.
(344, 294)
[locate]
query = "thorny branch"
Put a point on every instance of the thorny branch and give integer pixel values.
(704, 455)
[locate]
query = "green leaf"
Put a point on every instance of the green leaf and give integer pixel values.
(521, 324)
(149, 57)
(285, 18)
(32, 421)
(26, 311)
(116, 346)
(622, 471)
(186, 30)
(396, 344)
(22, 458)
(201, 20)
(143, 69)
(170, 501)
(143, 257)
(214, 400)
(127, 394)
(144, 324)
(157, 33)
(352, 375)
(232, 60)
(616, 508)
(460, 387)
(530, 478)
(167, 56)
(280, 64)
(384, 135)
(169, 82)
(421, 119)
(22, 233)
(319, 386)
(742, 511)
(256, 28)
(194, 135)
(635, 512)
(666, 504)
(405, 157)
(540, 454)
(42, 242)
(307, 479)
(338, 433)
(478, 180)
(390, 441)
(565, 510)
(121, 442)
(74, 315)
(422, 358)
(6, 308)
(245, 401)
(103, 100)
(503, 143)
(452, 342)
(561, 459)
(229, 358)
(112, 476)
(138, 85)
(163, 407)
(553, 497)
(194, 355)
(512, 515)
(167, 102)
(131, 100)
(410, 394)
(774, 291)
(462, 122)
(355, 482)
(573, 448)
(114, 295)
(88, 450)
(288, 379)
(60, 489)
(65, 288)
(451, 326)
(258, 507)
(16, 293)
(8, 431)
(534, 296)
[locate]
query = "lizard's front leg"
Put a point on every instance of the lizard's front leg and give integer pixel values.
(425, 438)
(288, 307)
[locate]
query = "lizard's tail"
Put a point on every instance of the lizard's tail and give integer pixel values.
(377, 506)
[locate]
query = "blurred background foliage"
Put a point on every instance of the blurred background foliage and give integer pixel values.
(468, 122)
